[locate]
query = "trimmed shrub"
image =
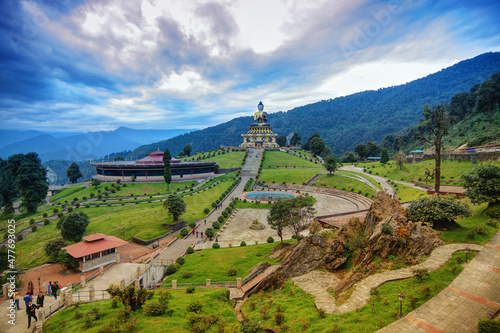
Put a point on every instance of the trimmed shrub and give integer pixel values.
(488, 326)
(154, 309)
(195, 306)
(215, 246)
(180, 260)
(215, 225)
(190, 250)
(33, 228)
(190, 290)
(186, 275)
(270, 239)
(184, 232)
(44, 215)
(171, 269)
(243, 243)
(225, 214)
(232, 272)
(46, 221)
(192, 224)
(206, 210)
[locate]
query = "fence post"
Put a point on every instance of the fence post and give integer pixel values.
(68, 297)
(91, 293)
(101, 269)
(238, 283)
(174, 284)
(138, 272)
(41, 319)
(136, 284)
(82, 281)
(117, 258)
(208, 282)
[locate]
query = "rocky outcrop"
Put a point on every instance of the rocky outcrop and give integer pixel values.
(385, 231)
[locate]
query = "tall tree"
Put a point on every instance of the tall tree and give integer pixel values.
(186, 151)
(73, 173)
(279, 216)
(32, 182)
(281, 140)
(167, 171)
(73, 226)
(294, 141)
(331, 164)
(118, 158)
(96, 182)
(175, 206)
(372, 149)
(317, 145)
(301, 213)
(384, 157)
(8, 188)
(361, 150)
(432, 129)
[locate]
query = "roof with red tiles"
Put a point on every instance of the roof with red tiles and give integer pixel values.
(98, 243)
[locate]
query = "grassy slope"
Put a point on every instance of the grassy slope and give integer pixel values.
(229, 160)
(65, 321)
(450, 169)
(214, 263)
(346, 183)
(301, 314)
(141, 220)
(281, 167)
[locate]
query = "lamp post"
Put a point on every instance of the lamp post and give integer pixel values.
(401, 298)
(39, 289)
(466, 254)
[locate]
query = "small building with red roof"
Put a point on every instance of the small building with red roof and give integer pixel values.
(95, 250)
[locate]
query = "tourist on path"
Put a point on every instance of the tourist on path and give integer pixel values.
(27, 299)
(31, 310)
(54, 289)
(16, 299)
(31, 288)
(49, 288)
(39, 300)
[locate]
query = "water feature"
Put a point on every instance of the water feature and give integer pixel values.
(269, 196)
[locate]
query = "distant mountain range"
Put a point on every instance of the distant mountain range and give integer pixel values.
(344, 122)
(78, 146)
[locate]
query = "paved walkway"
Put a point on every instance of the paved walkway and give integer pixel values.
(383, 182)
(361, 294)
(473, 295)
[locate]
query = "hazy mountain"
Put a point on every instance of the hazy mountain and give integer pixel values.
(78, 147)
(346, 121)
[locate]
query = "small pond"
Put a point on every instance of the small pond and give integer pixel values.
(269, 195)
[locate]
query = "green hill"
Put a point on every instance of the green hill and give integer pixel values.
(344, 122)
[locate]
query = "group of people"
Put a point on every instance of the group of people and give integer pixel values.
(52, 290)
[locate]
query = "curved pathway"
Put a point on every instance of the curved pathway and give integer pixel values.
(473, 295)
(361, 294)
(383, 182)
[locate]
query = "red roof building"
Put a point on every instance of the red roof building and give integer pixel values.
(95, 250)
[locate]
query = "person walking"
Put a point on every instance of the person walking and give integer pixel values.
(54, 289)
(16, 298)
(31, 310)
(27, 299)
(49, 288)
(31, 288)
(39, 300)
(205, 221)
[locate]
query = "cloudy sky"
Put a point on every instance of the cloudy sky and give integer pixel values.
(70, 65)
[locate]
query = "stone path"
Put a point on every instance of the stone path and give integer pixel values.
(317, 283)
(473, 295)
(361, 294)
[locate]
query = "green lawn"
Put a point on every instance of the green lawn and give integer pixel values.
(124, 221)
(288, 175)
(281, 159)
(67, 191)
(301, 314)
(451, 170)
(407, 193)
(214, 263)
(229, 160)
(214, 301)
(345, 183)
(468, 223)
